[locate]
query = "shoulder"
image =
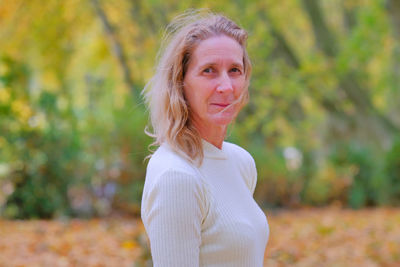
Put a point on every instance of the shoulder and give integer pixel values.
(171, 182)
(235, 148)
(168, 169)
(165, 160)
(245, 163)
(239, 154)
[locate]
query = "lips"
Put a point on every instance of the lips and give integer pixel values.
(222, 105)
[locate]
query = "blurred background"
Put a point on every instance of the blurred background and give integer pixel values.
(322, 124)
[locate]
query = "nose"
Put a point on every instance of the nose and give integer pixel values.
(225, 84)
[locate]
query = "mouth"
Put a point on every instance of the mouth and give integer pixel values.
(222, 105)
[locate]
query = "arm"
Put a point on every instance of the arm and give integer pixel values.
(253, 175)
(172, 212)
(247, 167)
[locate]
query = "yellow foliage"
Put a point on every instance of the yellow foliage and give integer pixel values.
(4, 95)
(4, 69)
(330, 182)
(2, 141)
(21, 109)
(129, 245)
(308, 237)
(379, 101)
(50, 80)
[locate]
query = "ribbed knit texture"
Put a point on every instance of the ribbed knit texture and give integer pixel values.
(204, 216)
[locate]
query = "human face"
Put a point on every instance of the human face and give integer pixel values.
(214, 80)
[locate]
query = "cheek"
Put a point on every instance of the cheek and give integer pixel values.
(239, 86)
(199, 95)
(192, 97)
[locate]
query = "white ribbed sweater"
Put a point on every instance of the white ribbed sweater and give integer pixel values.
(204, 216)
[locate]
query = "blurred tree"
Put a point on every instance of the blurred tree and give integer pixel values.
(326, 73)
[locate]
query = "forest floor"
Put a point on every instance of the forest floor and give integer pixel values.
(306, 237)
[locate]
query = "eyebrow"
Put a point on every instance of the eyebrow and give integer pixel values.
(212, 64)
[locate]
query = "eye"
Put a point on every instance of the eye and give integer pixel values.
(208, 70)
(236, 70)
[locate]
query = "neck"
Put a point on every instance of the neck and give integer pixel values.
(213, 134)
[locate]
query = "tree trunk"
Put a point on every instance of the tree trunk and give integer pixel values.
(116, 49)
(393, 8)
(348, 83)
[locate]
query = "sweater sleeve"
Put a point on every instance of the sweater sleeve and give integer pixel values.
(253, 175)
(248, 169)
(172, 213)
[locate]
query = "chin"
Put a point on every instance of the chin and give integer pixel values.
(222, 120)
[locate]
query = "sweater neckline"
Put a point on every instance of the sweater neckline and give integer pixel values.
(211, 151)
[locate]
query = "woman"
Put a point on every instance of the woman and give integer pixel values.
(197, 206)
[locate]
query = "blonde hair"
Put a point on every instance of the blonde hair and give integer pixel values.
(169, 112)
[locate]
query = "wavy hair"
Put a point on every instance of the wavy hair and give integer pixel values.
(170, 115)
